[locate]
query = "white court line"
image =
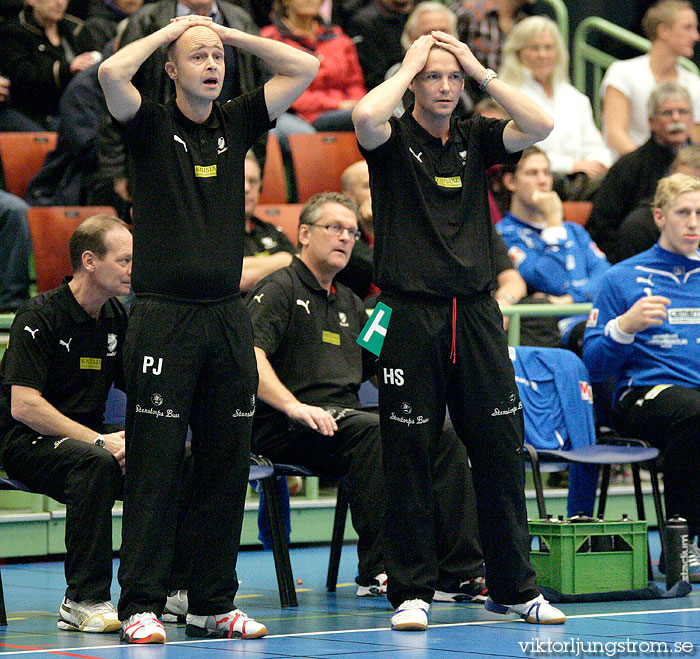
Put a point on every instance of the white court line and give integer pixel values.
(553, 628)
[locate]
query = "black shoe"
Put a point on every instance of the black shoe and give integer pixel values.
(472, 590)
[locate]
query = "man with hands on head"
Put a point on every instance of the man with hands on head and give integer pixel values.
(64, 354)
(189, 360)
(644, 329)
(445, 343)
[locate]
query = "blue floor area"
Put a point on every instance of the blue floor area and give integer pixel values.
(342, 625)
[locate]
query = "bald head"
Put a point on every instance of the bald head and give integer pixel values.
(192, 39)
(355, 181)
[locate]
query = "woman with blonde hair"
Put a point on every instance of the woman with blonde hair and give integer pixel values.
(536, 61)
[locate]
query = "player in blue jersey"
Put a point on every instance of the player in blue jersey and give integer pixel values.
(644, 329)
(554, 257)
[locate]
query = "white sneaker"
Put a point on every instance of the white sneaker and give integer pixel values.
(411, 616)
(88, 616)
(234, 624)
(693, 563)
(375, 589)
(175, 607)
(143, 628)
(537, 611)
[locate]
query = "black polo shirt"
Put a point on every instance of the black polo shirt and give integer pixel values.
(187, 188)
(309, 339)
(265, 239)
(432, 226)
(71, 358)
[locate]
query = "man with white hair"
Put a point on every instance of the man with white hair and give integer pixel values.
(635, 175)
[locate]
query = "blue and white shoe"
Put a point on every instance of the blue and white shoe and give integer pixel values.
(537, 611)
(411, 616)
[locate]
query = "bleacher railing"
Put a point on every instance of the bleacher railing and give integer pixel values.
(591, 58)
(517, 311)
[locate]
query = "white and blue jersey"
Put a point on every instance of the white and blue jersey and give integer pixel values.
(572, 264)
(663, 354)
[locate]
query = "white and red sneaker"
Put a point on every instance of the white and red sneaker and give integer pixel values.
(234, 624)
(143, 628)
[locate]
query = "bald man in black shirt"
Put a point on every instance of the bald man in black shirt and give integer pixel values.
(189, 359)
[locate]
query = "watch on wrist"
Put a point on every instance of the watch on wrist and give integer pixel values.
(99, 441)
(488, 77)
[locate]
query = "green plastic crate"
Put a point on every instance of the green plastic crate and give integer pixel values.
(567, 556)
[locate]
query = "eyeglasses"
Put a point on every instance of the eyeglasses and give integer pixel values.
(337, 230)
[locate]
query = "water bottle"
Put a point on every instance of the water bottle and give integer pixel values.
(676, 551)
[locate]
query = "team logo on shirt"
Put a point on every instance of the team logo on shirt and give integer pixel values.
(684, 316)
(157, 400)
(449, 181)
(305, 304)
(221, 146)
(586, 392)
(249, 413)
(177, 138)
(592, 318)
(517, 256)
(596, 251)
(205, 171)
(343, 319)
(111, 344)
(268, 242)
(66, 345)
(258, 298)
(417, 156)
(31, 331)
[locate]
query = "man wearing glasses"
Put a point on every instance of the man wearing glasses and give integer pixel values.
(305, 325)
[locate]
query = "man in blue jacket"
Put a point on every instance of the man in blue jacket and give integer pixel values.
(645, 329)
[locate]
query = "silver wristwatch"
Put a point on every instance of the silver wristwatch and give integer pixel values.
(99, 441)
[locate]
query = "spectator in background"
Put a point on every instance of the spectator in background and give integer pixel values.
(358, 274)
(10, 119)
(266, 248)
(638, 231)
(39, 54)
(643, 331)
(243, 74)
(536, 61)
(485, 24)
(105, 16)
(376, 30)
(635, 175)
(554, 257)
(68, 171)
(15, 248)
(327, 103)
(426, 17)
(672, 28)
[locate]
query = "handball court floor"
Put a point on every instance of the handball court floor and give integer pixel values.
(344, 626)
